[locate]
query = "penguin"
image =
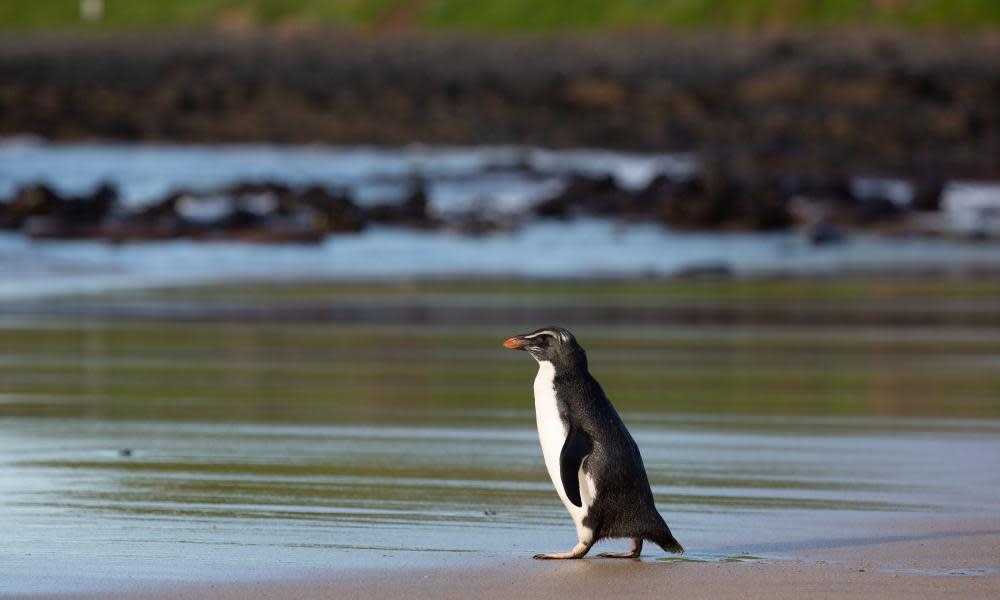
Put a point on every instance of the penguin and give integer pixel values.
(591, 458)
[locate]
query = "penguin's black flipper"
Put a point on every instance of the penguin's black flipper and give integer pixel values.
(576, 447)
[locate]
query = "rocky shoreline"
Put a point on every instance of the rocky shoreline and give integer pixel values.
(783, 126)
(278, 212)
(833, 103)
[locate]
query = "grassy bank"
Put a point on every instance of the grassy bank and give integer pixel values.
(626, 291)
(505, 15)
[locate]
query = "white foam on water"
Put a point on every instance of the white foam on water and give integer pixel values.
(499, 181)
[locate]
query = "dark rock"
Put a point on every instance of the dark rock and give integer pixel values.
(766, 207)
(41, 213)
(719, 201)
(412, 212)
(826, 188)
(415, 205)
(927, 194)
(278, 190)
(32, 201)
(256, 212)
(477, 223)
(711, 201)
(697, 204)
(159, 220)
(338, 212)
(825, 233)
(587, 195)
(55, 228)
(651, 199)
(869, 211)
(161, 209)
(90, 209)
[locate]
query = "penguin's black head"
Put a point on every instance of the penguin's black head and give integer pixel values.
(550, 344)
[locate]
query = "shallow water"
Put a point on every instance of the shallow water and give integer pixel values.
(134, 453)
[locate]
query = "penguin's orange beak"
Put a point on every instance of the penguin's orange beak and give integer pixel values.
(515, 343)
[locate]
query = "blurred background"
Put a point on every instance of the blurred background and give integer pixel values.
(257, 259)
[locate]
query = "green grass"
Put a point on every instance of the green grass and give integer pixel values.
(631, 291)
(507, 16)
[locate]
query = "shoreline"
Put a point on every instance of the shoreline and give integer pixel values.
(617, 256)
(898, 298)
(926, 559)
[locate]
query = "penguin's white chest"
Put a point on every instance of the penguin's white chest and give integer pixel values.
(552, 434)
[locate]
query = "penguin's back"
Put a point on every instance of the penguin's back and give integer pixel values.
(623, 504)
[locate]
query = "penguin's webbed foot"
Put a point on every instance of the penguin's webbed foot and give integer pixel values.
(557, 555)
(578, 551)
(633, 553)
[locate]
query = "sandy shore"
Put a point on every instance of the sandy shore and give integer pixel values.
(938, 558)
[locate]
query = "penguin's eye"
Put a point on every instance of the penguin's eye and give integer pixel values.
(544, 337)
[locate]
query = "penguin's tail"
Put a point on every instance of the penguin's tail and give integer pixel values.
(664, 539)
(669, 544)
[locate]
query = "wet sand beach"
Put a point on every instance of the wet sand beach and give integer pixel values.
(155, 453)
(932, 558)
